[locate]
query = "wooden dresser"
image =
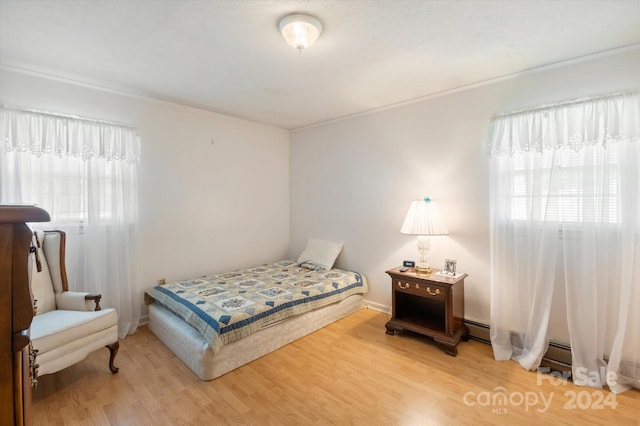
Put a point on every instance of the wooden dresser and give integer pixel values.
(16, 312)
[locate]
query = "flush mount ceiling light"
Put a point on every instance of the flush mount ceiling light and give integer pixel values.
(300, 30)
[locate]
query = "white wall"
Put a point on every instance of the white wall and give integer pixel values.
(214, 190)
(350, 180)
(353, 179)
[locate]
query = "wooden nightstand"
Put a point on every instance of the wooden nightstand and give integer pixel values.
(432, 305)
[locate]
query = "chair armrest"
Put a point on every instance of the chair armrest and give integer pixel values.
(77, 301)
(96, 298)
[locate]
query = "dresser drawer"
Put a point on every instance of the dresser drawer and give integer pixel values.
(427, 290)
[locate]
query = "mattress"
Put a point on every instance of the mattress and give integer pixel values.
(218, 322)
(192, 348)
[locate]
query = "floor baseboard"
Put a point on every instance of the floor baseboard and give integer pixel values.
(557, 357)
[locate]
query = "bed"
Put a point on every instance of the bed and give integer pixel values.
(219, 322)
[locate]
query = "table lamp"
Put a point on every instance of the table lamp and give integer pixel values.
(423, 220)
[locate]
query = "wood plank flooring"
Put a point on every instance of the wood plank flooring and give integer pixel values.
(350, 372)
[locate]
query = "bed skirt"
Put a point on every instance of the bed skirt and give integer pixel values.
(194, 351)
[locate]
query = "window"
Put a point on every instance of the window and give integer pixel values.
(573, 167)
(84, 174)
(565, 186)
(62, 185)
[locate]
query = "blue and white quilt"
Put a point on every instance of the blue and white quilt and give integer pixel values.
(226, 307)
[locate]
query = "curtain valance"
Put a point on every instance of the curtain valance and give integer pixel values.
(572, 125)
(66, 136)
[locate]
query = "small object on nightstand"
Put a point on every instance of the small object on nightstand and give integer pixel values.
(404, 269)
(430, 305)
(450, 267)
(409, 263)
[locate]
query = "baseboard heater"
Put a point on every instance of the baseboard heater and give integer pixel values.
(557, 357)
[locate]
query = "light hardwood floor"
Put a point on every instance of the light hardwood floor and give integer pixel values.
(350, 372)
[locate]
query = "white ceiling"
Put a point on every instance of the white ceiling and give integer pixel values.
(227, 56)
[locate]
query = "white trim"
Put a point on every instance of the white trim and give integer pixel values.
(376, 306)
(566, 103)
(69, 116)
(144, 320)
(471, 86)
(138, 95)
(131, 94)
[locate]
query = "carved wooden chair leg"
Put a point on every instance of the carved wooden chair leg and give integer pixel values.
(113, 350)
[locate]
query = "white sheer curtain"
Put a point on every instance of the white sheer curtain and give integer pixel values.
(84, 174)
(565, 209)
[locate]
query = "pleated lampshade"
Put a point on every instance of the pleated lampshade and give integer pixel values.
(423, 219)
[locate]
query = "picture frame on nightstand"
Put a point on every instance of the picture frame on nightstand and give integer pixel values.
(450, 267)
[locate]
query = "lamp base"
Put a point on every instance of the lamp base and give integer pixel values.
(423, 268)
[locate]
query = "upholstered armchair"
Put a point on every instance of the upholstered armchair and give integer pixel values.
(68, 325)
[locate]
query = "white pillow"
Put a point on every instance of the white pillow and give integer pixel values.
(319, 254)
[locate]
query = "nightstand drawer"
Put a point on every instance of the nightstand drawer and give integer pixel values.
(427, 290)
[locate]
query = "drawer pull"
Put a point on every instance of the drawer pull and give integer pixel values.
(406, 285)
(433, 293)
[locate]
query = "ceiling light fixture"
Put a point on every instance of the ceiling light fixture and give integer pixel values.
(300, 30)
